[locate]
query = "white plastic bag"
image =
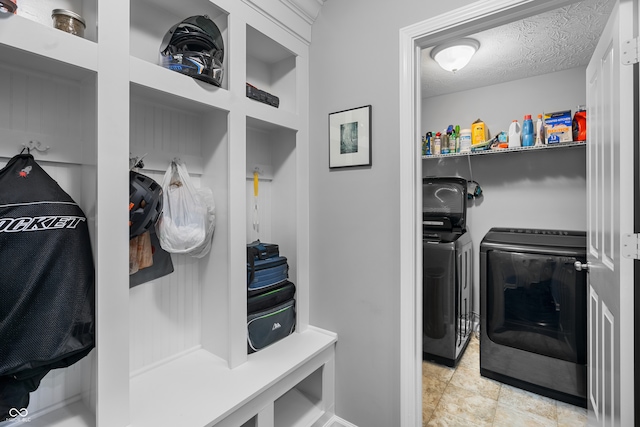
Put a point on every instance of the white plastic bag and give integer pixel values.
(187, 222)
(206, 195)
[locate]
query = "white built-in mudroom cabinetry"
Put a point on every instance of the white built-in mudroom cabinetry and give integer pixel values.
(173, 352)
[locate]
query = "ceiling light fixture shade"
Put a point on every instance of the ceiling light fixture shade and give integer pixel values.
(455, 55)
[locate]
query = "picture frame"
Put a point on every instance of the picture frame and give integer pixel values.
(350, 138)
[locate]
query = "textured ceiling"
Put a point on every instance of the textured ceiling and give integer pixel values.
(553, 41)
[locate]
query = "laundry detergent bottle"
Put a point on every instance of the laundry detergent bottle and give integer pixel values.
(514, 134)
(527, 131)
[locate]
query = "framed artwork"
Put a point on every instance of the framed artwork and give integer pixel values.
(350, 138)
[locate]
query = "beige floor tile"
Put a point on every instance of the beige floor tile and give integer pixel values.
(467, 405)
(508, 416)
(470, 379)
(471, 357)
(463, 398)
(427, 412)
(439, 372)
(571, 416)
(450, 420)
(432, 390)
(528, 402)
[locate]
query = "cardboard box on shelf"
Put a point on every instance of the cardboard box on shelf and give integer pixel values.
(558, 127)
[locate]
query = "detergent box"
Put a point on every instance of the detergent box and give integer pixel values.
(558, 127)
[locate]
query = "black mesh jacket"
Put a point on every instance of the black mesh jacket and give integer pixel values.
(46, 281)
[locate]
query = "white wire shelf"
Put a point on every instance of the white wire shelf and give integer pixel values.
(509, 150)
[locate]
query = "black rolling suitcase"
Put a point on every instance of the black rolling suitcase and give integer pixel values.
(271, 308)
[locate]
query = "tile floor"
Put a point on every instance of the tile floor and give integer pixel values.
(461, 397)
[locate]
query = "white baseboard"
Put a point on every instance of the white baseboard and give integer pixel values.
(336, 421)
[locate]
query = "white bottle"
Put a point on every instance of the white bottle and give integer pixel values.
(539, 131)
(515, 132)
(465, 141)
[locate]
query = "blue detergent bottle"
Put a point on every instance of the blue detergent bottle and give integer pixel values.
(527, 132)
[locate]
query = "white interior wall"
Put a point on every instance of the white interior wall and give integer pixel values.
(537, 189)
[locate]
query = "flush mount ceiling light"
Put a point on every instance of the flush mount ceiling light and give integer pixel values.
(453, 56)
(8, 6)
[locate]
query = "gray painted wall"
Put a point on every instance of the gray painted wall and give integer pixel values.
(354, 215)
(537, 189)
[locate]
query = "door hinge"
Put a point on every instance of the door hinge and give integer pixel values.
(630, 243)
(629, 51)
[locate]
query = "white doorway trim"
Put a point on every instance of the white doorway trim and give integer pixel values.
(466, 20)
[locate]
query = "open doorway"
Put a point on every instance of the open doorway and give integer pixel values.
(413, 40)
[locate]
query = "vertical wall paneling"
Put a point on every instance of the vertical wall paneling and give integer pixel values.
(265, 197)
(44, 109)
(164, 321)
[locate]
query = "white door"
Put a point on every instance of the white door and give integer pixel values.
(610, 139)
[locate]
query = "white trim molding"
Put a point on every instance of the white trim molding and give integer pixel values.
(474, 17)
(295, 16)
(307, 9)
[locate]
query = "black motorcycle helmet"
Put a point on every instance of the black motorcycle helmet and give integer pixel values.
(145, 203)
(194, 47)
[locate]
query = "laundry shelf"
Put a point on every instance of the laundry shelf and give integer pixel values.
(199, 389)
(509, 150)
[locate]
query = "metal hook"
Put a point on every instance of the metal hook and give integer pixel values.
(136, 162)
(35, 145)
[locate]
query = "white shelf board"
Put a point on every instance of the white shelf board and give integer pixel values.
(508, 150)
(29, 45)
(73, 415)
(157, 84)
(269, 117)
(295, 409)
(200, 390)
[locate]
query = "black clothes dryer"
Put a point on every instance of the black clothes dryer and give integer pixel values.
(446, 270)
(533, 316)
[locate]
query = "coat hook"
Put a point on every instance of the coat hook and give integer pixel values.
(35, 145)
(136, 162)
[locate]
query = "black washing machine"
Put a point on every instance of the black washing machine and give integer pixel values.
(533, 305)
(447, 274)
